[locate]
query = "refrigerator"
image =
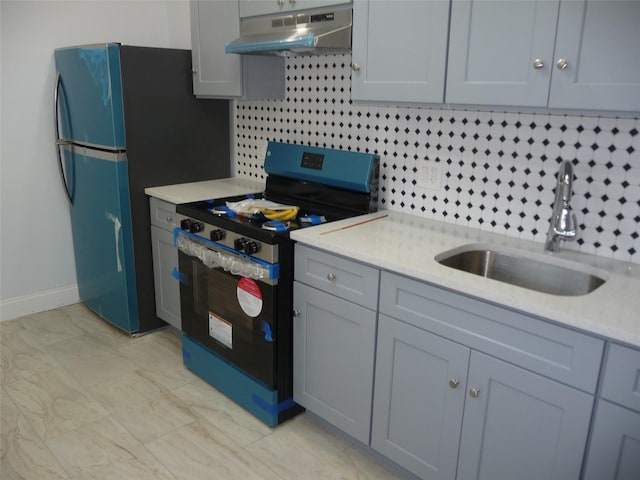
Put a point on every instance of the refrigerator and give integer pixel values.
(126, 119)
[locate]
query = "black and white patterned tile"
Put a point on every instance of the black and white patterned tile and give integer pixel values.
(498, 169)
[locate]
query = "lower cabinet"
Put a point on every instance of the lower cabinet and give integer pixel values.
(518, 424)
(462, 389)
(614, 451)
(333, 359)
(419, 396)
(441, 408)
(165, 262)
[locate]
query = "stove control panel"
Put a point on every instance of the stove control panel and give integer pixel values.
(228, 238)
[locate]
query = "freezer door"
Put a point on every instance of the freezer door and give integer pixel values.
(101, 226)
(90, 109)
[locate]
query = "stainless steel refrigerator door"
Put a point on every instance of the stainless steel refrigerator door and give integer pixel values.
(101, 227)
(90, 100)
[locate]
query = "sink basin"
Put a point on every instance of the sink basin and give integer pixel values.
(522, 271)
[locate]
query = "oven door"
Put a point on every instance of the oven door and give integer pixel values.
(232, 314)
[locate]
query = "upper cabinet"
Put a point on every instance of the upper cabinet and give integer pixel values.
(596, 63)
(399, 50)
(572, 54)
(249, 8)
(220, 75)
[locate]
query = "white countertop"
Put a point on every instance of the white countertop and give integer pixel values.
(407, 245)
(196, 191)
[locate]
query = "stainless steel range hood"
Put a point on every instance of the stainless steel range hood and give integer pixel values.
(300, 33)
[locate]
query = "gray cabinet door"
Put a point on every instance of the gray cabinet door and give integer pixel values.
(521, 425)
(419, 396)
(599, 41)
(614, 453)
(493, 45)
(215, 73)
(220, 75)
(167, 287)
(399, 50)
(333, 355)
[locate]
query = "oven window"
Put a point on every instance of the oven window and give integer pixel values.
(232, 315)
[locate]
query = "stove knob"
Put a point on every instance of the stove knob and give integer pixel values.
(185, 224)
(196, 227)
(217, 234)
(240, 243)
(252, 247)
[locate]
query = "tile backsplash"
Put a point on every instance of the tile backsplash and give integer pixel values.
(497, 170)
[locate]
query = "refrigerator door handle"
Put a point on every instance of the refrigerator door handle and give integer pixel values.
(59, 141)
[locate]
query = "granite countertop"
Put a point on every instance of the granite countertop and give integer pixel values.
(195, 191)
(407, 245)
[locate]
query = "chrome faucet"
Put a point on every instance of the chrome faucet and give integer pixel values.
(563, 220)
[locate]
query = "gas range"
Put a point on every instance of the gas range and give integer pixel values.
(236, 272)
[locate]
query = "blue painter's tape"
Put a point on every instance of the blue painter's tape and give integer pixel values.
(186, 354)
(273, 269)
(272, 409)
(181, 277)
(266, 329)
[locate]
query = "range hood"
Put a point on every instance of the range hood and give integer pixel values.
(300, 33)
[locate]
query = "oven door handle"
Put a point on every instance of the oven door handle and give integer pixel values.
(229, 262)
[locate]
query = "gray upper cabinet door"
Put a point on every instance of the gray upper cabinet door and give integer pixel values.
(333, 356)
(518, 424)
(215, 73)
(597, 42)
(220, 75)
(399, 50)
(501, 53)
(419, 396)
(249, 8)
(614, 453)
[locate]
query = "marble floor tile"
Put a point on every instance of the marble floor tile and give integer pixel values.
(226, 415)
(105, 449)
(53, 402)
(22, 355)
(199, 449)
(112, 406)
(23, 455)
(89, 359)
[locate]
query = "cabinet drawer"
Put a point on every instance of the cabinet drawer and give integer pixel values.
(336, 275)
(163, 214)
(621, 382)
(559, 353)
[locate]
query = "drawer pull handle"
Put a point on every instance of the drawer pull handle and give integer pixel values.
(169, 219)
(474, 392)
(454, 382)
(331, 277)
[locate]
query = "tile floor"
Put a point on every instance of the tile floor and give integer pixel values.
(81, 400)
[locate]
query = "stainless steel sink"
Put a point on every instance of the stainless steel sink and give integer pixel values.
(522, 271)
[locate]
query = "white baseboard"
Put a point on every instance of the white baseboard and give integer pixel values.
(38, 302)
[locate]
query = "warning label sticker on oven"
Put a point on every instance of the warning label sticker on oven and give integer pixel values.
(249, 296)
(221, 330)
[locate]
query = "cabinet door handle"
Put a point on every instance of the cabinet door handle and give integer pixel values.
(194, 70)
(296, 312)
(474, 392)
(538, 64)
(454, 382)
(562, 63)
(331, 277)
(280, 2)
(355, 67)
